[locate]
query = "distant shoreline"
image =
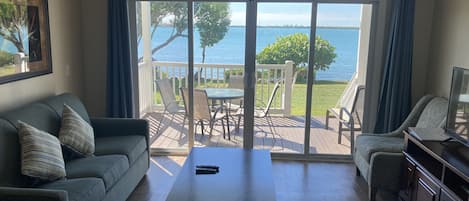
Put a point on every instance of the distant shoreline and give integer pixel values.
(303, 27)
(294, 27)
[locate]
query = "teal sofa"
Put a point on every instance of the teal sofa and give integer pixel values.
(379, 158)
(120, 161)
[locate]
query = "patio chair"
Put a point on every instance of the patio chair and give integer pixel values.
(202, 111)
(236, 82)
(171, 105)
(350, 116)
(263, 112)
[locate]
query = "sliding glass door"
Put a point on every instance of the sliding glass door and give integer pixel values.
(249, 74)
(162, 57)
(282, 53)
(219, 51)
(341, 54)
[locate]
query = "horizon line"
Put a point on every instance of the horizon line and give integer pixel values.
(289, 26)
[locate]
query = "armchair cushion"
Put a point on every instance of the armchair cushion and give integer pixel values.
(89, 189)
(132, 146)
(434, 114)
(109, 168)
(367, 145)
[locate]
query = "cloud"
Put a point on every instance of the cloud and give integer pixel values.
(302, 19)
(337, 19)
(238, 18)
(275, 19)
(272, 19)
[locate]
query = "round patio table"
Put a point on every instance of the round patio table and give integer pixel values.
(224, 94)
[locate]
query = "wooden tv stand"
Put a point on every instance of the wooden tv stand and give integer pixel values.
(434, 170)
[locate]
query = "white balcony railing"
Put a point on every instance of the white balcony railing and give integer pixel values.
(215, 75)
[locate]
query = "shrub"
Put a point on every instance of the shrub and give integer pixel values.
(6, 58)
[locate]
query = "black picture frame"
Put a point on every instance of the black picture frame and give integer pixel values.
(40, 57)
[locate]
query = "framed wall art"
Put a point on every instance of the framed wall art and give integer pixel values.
(24, 39)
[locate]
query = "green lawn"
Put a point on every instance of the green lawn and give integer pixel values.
(325, 95)
(7, 70)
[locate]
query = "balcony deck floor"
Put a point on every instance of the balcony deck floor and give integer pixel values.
(289, 137)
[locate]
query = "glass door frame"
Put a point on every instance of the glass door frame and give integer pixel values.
(250, 71)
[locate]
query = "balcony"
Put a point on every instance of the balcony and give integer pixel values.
(288, 126)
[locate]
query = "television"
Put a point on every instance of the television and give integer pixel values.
(457, 119)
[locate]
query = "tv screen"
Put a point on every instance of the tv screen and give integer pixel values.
(457, 119)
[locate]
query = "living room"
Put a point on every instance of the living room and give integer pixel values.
(79, 53)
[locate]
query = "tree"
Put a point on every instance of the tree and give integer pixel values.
(176, 11)
(212, 19)
(212, 23)
(295, 47)
(13, 24)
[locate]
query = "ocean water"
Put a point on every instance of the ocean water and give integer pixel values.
(230, 50)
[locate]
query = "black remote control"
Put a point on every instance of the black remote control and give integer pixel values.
(205, 171)
(208, 166)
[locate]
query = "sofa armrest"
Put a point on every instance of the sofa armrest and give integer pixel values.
(385, 170)
(108, 127)
(27, 194)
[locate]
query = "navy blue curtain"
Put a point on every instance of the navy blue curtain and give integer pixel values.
(395, 95)
(119, 72)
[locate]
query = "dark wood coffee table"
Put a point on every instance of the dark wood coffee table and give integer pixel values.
(244, 175)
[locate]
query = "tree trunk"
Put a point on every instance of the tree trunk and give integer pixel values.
(162, 45)
(203, 61)
(167, 42)
(18, 46)
(15, 41)
(203, 55)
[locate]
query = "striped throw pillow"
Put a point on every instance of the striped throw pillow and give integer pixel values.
(41, 154)
(75, 133)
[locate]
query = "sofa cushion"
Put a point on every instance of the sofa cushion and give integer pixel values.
(109, 168)
(367, 145)
(89, 189)
(38, 115)
(75, 133)
(57, 103)
(132, 146)
(41, 154)
(434, 114)
(10, 159)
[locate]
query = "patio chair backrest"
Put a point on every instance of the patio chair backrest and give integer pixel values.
(358, 104)
(201, 105)
(236, 82)
(167, 94)
(271, 98)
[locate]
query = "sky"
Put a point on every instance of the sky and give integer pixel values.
(299, 14)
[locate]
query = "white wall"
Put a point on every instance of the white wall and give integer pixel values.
(94, 18)
(67, 76)
(449, 44)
